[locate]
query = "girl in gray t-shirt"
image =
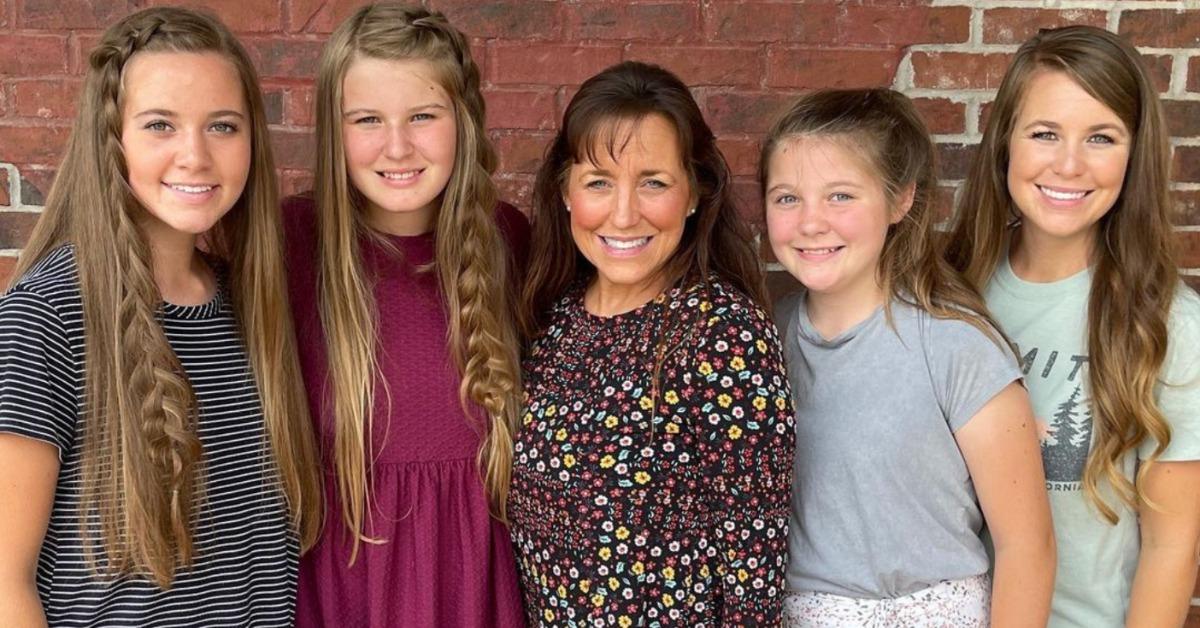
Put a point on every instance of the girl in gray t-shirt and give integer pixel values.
(912, 427)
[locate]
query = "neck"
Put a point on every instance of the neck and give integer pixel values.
(181, 275)
(832, 313)
(406, 223)
(1040, 258)
(604, 298)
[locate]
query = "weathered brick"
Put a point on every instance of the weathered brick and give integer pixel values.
(293, 150)
(56, 98)
(79, 48)
(1013, 26)
(815, 68)
(887, 25)
(1187, 164)
(1160, 28)
(64, 14)
(1193, 82)
(516, 189)
(292, 182)
(521, 153)
(1183, 117)
(319, 16)
(567, 64)
(943, 202)
(5, 100)
(942, 115)
(650, 21)
(273, 97)
(299, 106)
(31, 55)
(244, 17)
(6, 9)
(958, 70)
(749, 202)
(744, 112)
(521, 108)
(40, 144)
(954, 160)
(284, 58)
(4, 198)
(769, 21)
(741, 154)
(705, 65)
(511, 19)
(7, 264)
(35, 185)
(1187, 211)
(1189, 248)
(1159, 67)
(15, 228)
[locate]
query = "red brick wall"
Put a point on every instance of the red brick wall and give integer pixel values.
(743, 59)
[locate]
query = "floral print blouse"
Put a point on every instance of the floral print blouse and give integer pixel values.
(654, 501)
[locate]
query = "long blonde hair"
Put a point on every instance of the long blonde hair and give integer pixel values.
(886, 129)
(1134, 271)
(141, 458)
(471, 260)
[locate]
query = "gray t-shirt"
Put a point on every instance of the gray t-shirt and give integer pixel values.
(882, 503)
(1048, 322)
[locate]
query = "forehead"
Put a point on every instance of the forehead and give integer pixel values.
(645, 141)
(1053, 96)
(392, 83)
(818, 159)
(181, 82)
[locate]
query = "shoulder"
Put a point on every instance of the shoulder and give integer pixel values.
(514, 228)
(723, 309)
(53, 280)
(1184, 317)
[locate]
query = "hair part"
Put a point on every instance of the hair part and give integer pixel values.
(471, 259)
(142, 458)
(1134, 270)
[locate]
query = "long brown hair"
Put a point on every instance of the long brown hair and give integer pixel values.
(715, 239)
(1134, 273)
(141, 459)
(883, 126)
(471, 260)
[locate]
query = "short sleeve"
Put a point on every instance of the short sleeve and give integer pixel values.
(1178, 390)
(967, 367)
(37, 392)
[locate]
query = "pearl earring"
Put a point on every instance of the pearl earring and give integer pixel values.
(568, 206)
(691, 211)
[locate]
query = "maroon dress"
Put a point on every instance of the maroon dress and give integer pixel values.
(444, 561)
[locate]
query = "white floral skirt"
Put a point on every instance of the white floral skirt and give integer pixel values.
(949, 604)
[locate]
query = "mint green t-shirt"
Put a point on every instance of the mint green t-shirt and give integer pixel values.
(1048, 322)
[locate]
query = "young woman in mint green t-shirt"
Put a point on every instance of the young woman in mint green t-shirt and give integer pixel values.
(1065, 226)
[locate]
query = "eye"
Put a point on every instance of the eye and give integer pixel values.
(840, 197)
(224, 128)
(1047, 136)
(367, 120)
(785, 199)
(596, 184)
(1101, 138)
(423, 116)
(159, 126)
(656, 184)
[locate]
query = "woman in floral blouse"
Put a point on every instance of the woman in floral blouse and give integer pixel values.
(652, 474)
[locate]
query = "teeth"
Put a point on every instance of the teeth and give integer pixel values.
(400, 176)
(192, 189)
(820, 251)
(625, 244)
(1062, 196)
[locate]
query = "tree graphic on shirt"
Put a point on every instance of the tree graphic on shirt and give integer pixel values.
(1068, 439)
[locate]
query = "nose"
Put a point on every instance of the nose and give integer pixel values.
(399, 145)
(1068, 161)
(812, 220)
(195, 152)
(627, 212)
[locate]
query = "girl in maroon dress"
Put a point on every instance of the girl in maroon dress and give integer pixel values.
(399, 283)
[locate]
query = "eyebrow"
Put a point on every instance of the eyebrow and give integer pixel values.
(167, 113)
(1103, 126)
(362, 110)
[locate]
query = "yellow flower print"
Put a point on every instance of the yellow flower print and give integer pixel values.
(737, 363)
(705, 306)
(705, 368)
(641, 477)
(646, 403)
(605, 553)
(671, 397)
(672, 428)
(780, 402)
(760, 403)
(610, 422)
(638, 568)
(668, 600)
(562, 592)
(724, 400)
(668, 573)
(584, 585)
(607, 462)
(760, 345)
(622, 533)
(613, 583)
(527, 419)
(569, 461)
(735, 432)
(624, 621)
(597, 600)
(561, 434)
(551, 410)
(548, 614)
(704, 572)
(743, 575)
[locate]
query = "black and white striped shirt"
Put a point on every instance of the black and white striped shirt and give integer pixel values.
(246, 565)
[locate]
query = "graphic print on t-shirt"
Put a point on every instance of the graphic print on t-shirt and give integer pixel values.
(1066, 429)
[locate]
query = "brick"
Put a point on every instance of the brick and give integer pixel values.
(80, 46)
(744, 112)
(705, 65)
(1187, 212)
(4, 198)
(7, 264)
(30, 55)
(292, 182)
(651, 21)
(35, 185)
(566, 64)
(741, 155)
(769, 21)
(1189, 248)
(46, 99)
(284, 58)
(958, 70)
(1187, 164)
(299, 106)
(319, 16)
(954, 160)
(1193, 82)
(1159, 67)
(1160, 28)
(273, 97)
(885, 25)
(943, 202)
(1013, 26)
(521, 108)
(512, 19)
(516, 189)
(33, 144)
(261, 16)
(15, 228)
(810, 68)
(1193, 618)
(749, 202)
(521, 153)
(941, 115)
(293, 150)
(1183, 117)
(6, 9)
(68, 14)
(5, 101)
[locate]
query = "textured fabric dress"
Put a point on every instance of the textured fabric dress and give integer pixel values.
(443, 560)
(643, 504)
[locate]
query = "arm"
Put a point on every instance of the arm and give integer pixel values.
(1170, 530)
(1002, 453)
(747, 443)
(28, 474)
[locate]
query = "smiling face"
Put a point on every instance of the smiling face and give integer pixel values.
(186, 139)
(828, 216)
(628, 213)
(1067, 158)
(399, 134)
